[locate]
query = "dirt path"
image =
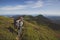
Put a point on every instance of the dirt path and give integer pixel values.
(58, 35)
(20, 38)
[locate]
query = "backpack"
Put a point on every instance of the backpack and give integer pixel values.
(15, 26)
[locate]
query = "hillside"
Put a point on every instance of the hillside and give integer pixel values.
(42, 20)
(34, 32)
(31, 31)
(6, 29)
(55, 19)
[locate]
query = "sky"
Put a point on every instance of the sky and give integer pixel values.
(30, 7)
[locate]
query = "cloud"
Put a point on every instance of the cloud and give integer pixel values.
(22, 9)
(21, 12)
(36, 4)
(28, 4)
(17, 7)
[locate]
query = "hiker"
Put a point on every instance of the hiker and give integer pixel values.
(19, 24)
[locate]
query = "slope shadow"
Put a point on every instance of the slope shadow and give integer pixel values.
(54, 26)
(12, 30)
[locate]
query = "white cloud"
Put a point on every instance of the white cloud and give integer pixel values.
(29, 8)
(25, 12)
(29, 4)
(13, 7)
(22, 9)
(51, 2)
(36, 4)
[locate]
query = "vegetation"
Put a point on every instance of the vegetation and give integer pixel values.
(34, 32)
(5, 33)
(32, 29)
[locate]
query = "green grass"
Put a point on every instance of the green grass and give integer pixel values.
(5, 34)
(34, 32)
(31, 31)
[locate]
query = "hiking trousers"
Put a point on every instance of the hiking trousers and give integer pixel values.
(20, 31)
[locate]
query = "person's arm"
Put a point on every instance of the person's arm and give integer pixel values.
(17, 23)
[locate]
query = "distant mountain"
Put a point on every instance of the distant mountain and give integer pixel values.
(50, 21)
(55, 19)
(42, 20)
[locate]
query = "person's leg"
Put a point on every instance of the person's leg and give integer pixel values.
(19, 31)
(18, 34)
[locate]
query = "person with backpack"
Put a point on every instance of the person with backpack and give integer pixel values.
(19, 24)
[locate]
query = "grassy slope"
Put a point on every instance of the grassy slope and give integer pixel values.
(34, 32)
(5, 34)
(30, 31)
